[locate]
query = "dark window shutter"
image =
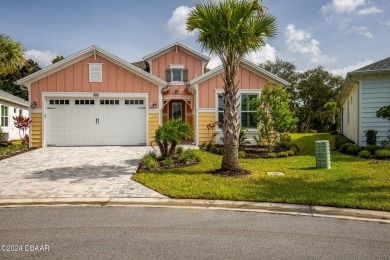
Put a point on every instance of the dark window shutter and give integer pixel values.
(168, 75)
(185, 74)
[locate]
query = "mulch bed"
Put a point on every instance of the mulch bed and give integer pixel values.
(232, 172)
(177, 164)
(24, 150)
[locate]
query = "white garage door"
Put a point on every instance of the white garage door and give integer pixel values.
(87, 121)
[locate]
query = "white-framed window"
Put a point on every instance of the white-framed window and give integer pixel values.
(246, 112)
(15, 110)
(177, 73)
(95, 72)
(21, 112)
(4, 116)
(247, 115)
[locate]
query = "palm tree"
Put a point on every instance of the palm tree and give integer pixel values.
(11, 55)
(170, 134)
(230, 29)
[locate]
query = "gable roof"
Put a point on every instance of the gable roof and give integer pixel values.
(379, 66)
(173, 45)
(246, 64)
(11, 98)
(92, 50)
(382, 66)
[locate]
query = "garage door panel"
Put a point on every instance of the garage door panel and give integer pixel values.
(105, 122)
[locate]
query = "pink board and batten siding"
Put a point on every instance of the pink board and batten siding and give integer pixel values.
(75, 78)
(246, 78)
(179, 57)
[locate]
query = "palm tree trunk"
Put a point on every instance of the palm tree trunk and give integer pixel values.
(231, 126)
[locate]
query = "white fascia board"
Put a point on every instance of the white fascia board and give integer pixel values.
(167, 48)
(266, 74)
(84, 54)
(207, 75)
(56, 66)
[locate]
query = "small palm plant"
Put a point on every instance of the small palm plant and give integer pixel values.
(170, 134)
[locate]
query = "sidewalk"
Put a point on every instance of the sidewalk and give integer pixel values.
(261, 207)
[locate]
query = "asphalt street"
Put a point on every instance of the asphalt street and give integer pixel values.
(182, 233)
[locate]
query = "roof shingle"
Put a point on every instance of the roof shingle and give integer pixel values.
(379, 65)
(12, 98)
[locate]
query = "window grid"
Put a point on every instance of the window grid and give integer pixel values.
(109, 102)
(247, 116)
(134, 102)
(59, 101)
(84, 102)
(4, 116)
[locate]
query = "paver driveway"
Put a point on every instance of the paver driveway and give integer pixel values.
(67, 172)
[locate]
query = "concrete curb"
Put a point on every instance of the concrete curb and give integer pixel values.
(277, 208)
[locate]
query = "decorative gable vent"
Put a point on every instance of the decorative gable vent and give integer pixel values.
(95, 72)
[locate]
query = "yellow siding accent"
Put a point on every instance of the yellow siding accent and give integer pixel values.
(36, 130)
(152, 125)
(205, 135)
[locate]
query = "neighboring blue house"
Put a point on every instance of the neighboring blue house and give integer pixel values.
(365, 91)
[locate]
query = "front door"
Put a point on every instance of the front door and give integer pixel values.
(177, 110)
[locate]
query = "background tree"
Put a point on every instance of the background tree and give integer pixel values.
(7, 82)
(11, 55)
(287, 71)
(57, 59)
(315, 88)
(230, 29)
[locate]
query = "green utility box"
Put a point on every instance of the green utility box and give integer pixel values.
(322, 154)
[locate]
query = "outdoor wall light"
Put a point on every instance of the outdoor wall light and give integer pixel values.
(154, 104)
(34, 104)
(177, 91)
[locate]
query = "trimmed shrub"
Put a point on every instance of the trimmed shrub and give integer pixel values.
(340, 140)
(167, 162)
(290, 153)
(179, 150)
(150, 163)
(371, 136)
(344, 147)
(186, 156)
(283, 154)
(371, 148)
(354, 149)
(294, 149)
(382, 154)
(241, 154)
(272, 155)
(151, 154)
(364, 154)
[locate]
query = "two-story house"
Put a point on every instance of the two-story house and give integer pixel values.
(96, 98)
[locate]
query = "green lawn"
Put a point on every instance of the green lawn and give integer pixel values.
(352, 182)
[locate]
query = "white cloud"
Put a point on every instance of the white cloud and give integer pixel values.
(369, 10)
(362, 30)
(342, 6)
(345, 70)
(43, 58)
(177, 23)
(301, 42)
(267, 53)
(214, 62)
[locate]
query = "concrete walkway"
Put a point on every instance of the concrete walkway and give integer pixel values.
(74, 172)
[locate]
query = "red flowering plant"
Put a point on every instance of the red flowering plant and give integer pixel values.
(22, 123)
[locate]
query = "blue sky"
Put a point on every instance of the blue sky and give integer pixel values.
(341, 35)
